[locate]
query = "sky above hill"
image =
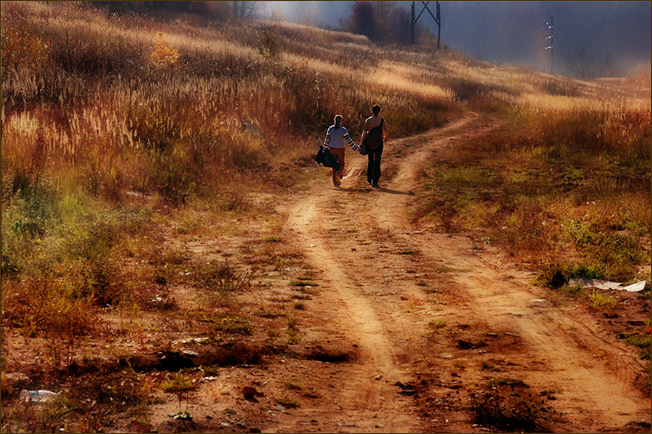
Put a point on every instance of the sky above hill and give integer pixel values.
(514, 32)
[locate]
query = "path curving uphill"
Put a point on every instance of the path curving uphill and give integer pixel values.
(387, 283)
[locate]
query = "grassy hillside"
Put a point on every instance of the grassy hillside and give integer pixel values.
(120, 132)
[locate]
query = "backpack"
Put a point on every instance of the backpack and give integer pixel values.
(374, 138)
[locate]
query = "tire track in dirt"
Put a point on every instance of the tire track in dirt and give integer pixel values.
(595, 374)
(334, 227)
(372, 260)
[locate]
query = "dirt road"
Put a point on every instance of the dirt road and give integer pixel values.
(430, 317)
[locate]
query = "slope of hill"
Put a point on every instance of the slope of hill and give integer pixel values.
(165, 232)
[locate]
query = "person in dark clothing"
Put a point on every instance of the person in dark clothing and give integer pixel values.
(376, 128)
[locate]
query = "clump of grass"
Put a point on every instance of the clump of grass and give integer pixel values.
(235, 324)
(223, 277)
(438, 324)
(291, 385)
(288, 403)
(302, 283)
(507, 412)
(505, 381)
(180, 385)
(599, 300)
(488, 366)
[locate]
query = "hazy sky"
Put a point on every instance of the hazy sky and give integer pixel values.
(514, 32)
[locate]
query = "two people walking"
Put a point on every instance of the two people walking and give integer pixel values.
(374, 130)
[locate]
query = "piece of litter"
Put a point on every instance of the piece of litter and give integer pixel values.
(605, 284)
(37, 395)
(538, 300)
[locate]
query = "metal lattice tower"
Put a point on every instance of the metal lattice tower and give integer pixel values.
(436, 17)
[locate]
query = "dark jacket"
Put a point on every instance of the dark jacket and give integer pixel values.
(325, 158)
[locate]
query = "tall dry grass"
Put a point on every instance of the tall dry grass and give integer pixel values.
(565, 181)
(110, 121)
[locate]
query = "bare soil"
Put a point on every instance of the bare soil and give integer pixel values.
(398, 326)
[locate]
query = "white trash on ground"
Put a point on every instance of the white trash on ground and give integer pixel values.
(605, 284)
(37, 395)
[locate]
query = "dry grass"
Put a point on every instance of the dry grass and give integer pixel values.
(565, 180)
(110, 133)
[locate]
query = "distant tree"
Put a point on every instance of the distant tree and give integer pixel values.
(247, 9)
(363, 19)
(382, 22)
(583, 64)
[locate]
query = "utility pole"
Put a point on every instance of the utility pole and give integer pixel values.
(550, 39)
(436, 17)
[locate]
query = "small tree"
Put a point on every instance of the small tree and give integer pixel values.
(180, 385)
(363, 19)
(584, 64)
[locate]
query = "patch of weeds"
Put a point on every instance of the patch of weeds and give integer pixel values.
(287, 403)
(329, 355)
(291, 385)
(179, 384)
(438, 324)
(511, 382)
(407, 252)
(263, 313)
(598, 300)
(223, 277)
(292, 330)
(235, 324)
(507, 411)
(301, 297)
(571, 290)
(299, 306)
(421, 283)
(638, 340)
(302, 283)
(553, 275)
(271, 239)
(642, 342)
(231, 353)
(488, 366)
(211, 371)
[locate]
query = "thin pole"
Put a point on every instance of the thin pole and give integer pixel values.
(412, 23)
(552, 49)
(438, 27)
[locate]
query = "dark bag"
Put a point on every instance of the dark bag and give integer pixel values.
(374, 138)
(325, 158)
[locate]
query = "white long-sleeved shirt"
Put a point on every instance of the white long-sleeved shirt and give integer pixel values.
(335, 138)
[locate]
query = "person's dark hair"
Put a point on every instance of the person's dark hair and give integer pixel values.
(375, 109)
(338, 121)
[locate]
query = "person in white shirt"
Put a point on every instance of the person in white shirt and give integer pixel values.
(336, 135)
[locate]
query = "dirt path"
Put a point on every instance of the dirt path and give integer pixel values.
(390, 287)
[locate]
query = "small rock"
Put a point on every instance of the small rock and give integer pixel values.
(250, 393)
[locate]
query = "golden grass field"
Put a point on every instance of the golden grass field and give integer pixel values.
(118, 131)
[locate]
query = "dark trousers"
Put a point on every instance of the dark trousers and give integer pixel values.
(373, 168)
